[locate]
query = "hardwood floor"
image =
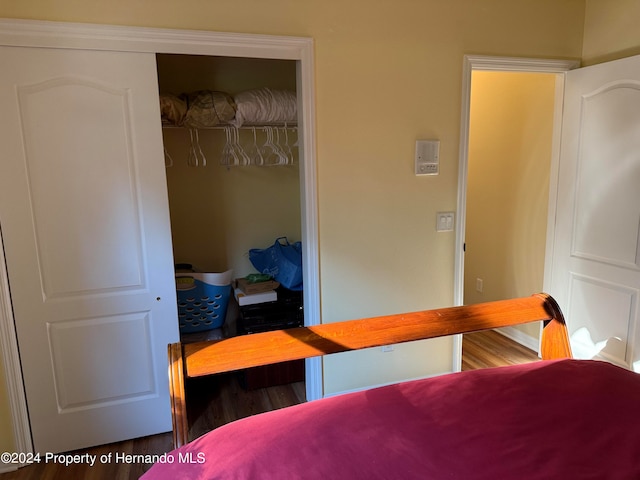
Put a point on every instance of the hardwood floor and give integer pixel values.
(491, 349)
(214, 401)
(219, 400)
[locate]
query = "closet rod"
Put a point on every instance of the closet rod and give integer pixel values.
(243, 127)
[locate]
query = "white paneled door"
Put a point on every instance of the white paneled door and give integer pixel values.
(596, 254)
(85, 222)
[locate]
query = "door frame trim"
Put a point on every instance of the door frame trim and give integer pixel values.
(12, 369)
(31, 33)
(503, 64)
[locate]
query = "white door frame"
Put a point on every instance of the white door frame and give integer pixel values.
(502, 64)
(11, 362)
(27, 33)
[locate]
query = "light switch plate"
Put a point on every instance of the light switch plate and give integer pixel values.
(445, 221)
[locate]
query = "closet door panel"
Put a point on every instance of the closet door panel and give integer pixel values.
(101, 190)
(84, 212)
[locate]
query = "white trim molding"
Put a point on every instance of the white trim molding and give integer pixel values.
(33, 33)
(518, 64)
(11, 361)
(520, 337)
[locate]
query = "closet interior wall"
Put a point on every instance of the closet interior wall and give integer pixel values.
(219, 212)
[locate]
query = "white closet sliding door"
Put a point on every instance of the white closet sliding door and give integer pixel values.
(85, 222)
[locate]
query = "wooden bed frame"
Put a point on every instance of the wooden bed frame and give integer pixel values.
(236, 353)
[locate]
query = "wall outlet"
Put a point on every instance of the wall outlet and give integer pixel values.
(479, 285)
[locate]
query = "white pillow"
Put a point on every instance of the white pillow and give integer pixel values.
(264, 106)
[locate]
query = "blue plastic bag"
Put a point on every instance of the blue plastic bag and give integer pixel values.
(283, 261)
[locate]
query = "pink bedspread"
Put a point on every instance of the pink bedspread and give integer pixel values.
(568, 419)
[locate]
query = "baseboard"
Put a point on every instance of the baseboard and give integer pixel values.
(370, 387)
(512, 333)
(520, 337)
(6, 468)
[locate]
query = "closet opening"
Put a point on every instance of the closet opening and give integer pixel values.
(234, 184)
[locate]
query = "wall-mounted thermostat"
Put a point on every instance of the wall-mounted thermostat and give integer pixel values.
(427, 157)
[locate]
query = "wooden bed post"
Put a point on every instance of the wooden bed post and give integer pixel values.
(177, 376)
(555, 336)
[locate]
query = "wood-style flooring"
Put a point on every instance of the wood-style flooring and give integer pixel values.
(491, 349)
(222, 399)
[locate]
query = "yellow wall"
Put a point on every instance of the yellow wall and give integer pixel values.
(610, 30)
(385, 76)
(218, 213)
(511, 127)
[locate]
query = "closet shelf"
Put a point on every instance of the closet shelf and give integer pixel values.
(292, 126)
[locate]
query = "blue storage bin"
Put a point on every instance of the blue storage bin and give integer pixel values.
(202, 300)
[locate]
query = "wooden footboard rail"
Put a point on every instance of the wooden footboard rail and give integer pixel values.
(236, 353)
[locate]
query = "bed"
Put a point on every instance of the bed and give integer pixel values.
(555, 418)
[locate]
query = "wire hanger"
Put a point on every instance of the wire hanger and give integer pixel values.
(196, 156)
